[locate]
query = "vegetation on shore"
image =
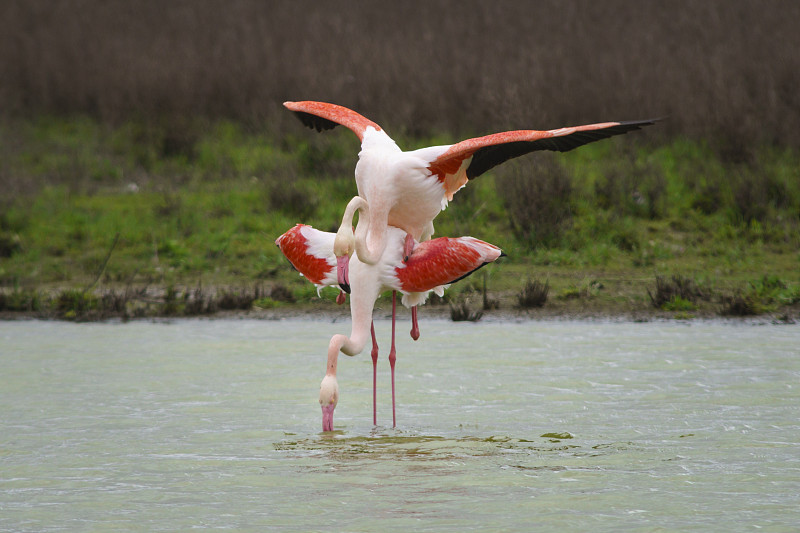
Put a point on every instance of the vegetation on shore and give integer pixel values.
(127, 221)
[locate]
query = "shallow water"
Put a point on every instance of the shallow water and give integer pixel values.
(568, 426)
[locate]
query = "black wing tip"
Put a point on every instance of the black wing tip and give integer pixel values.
(636, 124)
(468, 273)
(314, 122)
(488, 157)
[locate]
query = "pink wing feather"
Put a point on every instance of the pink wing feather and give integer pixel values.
(470, 158)
(301, 245)
(323, 116)
(442, 261)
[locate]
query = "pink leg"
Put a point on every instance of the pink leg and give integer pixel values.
(392, 354)
(408, 247)
(374, 375)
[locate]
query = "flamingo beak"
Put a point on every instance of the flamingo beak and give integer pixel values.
(343, 272)
(408, 247)
(327, 417)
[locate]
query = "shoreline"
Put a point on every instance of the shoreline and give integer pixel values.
(607, 308)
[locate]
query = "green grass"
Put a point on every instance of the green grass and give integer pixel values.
(205, 204)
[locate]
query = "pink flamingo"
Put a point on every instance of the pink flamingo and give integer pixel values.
(408, 189)
(430, 266)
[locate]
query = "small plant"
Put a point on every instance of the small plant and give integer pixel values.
(670, 291)
(20, 300)
(75, 304)
(306, 292)
(790, 295)
(785, 318)
(460, 311)
(488, 303)
(533, 294)
(231, 299)
(112, 302)
(266, 303)
(583, 291)
(763, 295)
(171, 306)
(678, 304)
(197, 302)
(280, 293)
(769, 286)
(741, 304)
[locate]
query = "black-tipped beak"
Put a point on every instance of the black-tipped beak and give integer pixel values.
(343, 272)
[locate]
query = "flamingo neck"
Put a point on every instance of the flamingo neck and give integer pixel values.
(361, 305)
(370, 257)
(337, 341)
(352, 345)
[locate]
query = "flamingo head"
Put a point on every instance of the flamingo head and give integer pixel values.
(328, 398)
(343, 247)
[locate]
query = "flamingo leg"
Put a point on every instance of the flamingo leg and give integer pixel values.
(374, 375)
(393, 355)
(408, 247)
(414, 324)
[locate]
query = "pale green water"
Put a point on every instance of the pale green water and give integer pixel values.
(214, 424)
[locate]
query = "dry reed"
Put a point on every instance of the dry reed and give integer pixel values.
(722, 70)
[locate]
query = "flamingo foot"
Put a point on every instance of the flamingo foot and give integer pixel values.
(374, 376)
(414, 324)
(340, 298)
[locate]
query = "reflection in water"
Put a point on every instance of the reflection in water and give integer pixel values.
(398, 445)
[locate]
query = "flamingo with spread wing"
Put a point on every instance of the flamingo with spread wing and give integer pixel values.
(408, 189)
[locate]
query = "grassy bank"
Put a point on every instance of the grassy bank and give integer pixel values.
(140, 219)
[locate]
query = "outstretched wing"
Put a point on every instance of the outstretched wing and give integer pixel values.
(471, 158)
(310, 251)
(323, 116)
(442, 261)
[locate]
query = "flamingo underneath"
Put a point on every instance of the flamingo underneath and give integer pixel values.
(431, 265)
(408, 189)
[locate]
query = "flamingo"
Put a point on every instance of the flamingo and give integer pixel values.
(430, 266)
(408, 189)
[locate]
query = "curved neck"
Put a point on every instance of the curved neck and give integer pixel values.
(333, 353)
(361, 306)
(366, 255)
(347, 345)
